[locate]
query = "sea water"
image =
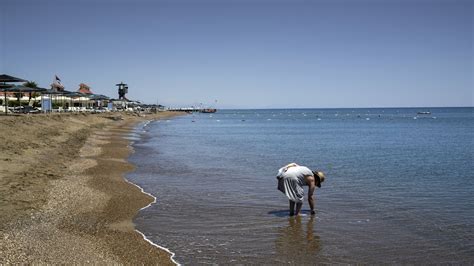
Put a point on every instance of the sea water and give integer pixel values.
(399, 186)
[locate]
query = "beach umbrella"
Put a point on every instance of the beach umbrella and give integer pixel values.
(23, 89)
(19, 89)
(3, 80)
(90, 97)
(70, 95)
(7, 78)
(52, 92)
(74, 94)
(99, 98)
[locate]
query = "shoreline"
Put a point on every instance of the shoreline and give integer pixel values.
(73, 204)
(172, 254)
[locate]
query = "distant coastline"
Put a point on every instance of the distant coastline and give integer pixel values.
(331, 108)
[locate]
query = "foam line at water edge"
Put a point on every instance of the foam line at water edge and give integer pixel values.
(144, 125)
(158, 246)
(144, 192)
(154, 201)
(143, 235)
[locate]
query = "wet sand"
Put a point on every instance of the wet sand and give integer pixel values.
(63, 198)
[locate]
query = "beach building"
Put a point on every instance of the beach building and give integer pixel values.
(83, 88)
(56, 86)
(56, 99)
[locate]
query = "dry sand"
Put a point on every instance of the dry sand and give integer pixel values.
(63, 198)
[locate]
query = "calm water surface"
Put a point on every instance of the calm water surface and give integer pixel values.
(399, 187)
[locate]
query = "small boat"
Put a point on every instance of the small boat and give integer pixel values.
(424, 113)
(208, 110)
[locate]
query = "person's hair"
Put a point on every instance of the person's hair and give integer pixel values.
(315, 173)
(318, 177)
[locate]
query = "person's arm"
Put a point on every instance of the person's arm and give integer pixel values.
(311, 187)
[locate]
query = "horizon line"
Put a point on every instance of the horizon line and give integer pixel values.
(280, 108)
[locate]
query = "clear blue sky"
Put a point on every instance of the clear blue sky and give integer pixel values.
(248, 54)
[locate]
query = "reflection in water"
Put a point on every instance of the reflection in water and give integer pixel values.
(296, 244)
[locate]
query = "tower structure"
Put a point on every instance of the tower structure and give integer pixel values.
(122, 90)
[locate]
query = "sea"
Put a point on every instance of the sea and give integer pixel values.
(398, 190)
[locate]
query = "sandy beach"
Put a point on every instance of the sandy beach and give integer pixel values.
(63, 196)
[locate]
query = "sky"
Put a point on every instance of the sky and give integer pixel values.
(248, 54)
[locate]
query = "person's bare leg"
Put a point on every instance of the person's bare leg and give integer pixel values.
(298, 207)
(292, 208)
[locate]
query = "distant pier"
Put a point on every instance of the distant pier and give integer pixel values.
(193, 110)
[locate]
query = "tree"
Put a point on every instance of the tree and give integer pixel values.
(31, 84)
(18, 96)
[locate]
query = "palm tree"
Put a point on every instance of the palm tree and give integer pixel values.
(30, 84)
(18, 96)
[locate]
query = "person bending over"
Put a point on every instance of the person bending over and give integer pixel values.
(292, 178)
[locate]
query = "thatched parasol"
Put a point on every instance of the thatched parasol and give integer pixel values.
(24, 89)
(7, 78)
(3, 80)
